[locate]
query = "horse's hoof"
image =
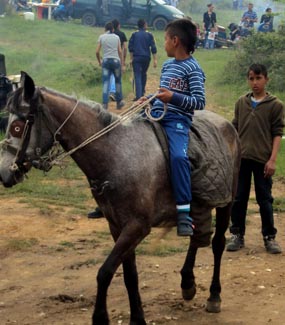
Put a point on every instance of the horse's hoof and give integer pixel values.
(189, 294)
(213, 306)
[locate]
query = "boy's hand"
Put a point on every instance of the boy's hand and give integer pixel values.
(164, 95)
(269, 168)
(141, 100)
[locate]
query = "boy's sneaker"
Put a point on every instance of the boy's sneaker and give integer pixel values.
(235, 243)
(105, 106)
(112, 97)
(185, 225)
(120, 104)
(271, 245)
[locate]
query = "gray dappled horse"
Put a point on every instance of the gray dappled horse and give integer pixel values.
(128, 174)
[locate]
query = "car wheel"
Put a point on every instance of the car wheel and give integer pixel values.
(159, 23)
(88, 18)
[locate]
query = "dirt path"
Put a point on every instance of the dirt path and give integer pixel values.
(48, 270)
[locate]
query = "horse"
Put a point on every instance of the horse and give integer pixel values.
(129, 178)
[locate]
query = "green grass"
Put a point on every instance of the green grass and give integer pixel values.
(21, 244)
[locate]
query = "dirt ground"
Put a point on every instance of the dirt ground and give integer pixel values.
(48, 267)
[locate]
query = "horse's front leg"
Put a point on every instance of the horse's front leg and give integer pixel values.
(188, 284)
(123, 251)
(218, 246)
(132, 285)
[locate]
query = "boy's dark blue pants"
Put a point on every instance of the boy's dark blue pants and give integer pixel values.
(178, 136)
(140, 67)
(263, 195)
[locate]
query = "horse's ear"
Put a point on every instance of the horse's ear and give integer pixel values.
(28, 85)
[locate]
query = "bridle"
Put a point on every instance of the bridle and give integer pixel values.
(37, 113)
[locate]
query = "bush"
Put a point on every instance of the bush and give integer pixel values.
(264, 48)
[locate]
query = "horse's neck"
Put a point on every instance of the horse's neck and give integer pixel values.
(76, 121)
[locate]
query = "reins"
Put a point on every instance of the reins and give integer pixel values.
(122, 118)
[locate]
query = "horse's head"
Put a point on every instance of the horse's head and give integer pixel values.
(27, 136)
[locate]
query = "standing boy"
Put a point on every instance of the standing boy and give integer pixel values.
(259, 120)
(182, 89)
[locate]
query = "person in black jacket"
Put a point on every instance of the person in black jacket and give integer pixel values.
(141, 45)
(209, 21)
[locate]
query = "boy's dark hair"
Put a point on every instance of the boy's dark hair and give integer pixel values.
(258, 68)
(185, 30)
(141, 23)
(115, 23)
(268, 9)
(109, 26)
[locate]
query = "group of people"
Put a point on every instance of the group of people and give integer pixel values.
(258, 119)
(248, 19)
(113, 43)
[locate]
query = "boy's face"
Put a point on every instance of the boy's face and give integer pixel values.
(169, 45)
(257, 82)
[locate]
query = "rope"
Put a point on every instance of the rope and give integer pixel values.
(63, 124)
(123, 117)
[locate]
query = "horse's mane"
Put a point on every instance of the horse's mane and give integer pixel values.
(102, 114)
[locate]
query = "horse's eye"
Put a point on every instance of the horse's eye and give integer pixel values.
(16, 128)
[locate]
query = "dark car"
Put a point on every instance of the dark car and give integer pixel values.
(97, 12)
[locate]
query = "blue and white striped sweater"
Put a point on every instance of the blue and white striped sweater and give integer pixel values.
(186, 79)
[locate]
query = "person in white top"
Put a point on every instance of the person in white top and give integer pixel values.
(111, 64)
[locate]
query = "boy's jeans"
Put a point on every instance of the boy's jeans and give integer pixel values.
(111, 66)
(263, 197)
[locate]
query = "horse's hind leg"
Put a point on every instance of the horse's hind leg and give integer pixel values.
(218, 246)
(132, 285)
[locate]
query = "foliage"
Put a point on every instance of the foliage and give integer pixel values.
(22, 244)
(265, 48)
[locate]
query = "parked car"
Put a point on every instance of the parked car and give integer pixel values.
(97, 12)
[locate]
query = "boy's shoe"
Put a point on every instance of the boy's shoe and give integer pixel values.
(120, 104)
(271, 245)
(105, 106)
(96, 214)
(235, 243)
(112, 97)
(185, 225)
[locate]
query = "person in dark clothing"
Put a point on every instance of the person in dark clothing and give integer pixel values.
(123, 39)
(259, 120)
(209, 21)
(266, 21)
(141, 45)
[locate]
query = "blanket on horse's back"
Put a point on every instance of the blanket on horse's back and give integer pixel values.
(211, 159)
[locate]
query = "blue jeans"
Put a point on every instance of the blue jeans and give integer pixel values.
(263, 195)
(112, 88)
(177, 130)
(111, 66)
(210, 44)
(140, 67)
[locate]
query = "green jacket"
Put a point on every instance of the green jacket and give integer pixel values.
(258, 126)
